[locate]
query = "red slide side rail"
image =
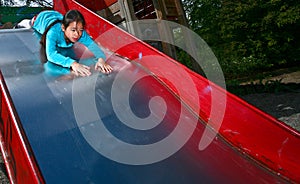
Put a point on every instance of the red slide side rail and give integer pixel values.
(254, 133)
(19, 161)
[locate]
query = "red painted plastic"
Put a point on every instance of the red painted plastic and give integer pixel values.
(97, 5)
(19, 161)
(254, 133)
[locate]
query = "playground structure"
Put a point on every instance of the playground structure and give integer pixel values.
(122, 12)
(41, 141)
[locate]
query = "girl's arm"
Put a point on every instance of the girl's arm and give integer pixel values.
(91, 45)
(101, 65)
(52, 53)
(55, 57)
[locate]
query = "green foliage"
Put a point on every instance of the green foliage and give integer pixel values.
(248, 36)
(184, 58)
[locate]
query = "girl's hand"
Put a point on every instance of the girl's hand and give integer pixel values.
(80, 70)
(103, 67)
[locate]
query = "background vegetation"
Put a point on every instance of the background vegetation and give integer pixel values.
(248, 36)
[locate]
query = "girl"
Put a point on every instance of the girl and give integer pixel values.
(60, 32)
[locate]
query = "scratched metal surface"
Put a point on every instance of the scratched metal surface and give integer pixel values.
(75, 125)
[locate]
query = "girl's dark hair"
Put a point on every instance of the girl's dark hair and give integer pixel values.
(73, 16)
(69, 17)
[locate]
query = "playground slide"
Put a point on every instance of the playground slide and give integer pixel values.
(132, 126)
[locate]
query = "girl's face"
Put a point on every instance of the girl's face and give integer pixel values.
(73, 32)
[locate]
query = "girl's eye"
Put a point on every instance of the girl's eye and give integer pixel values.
(80, 30)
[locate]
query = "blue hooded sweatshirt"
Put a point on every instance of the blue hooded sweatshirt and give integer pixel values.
(55, 40)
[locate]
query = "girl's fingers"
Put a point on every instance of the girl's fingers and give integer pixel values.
(81, 70)
(108, 68)
(86, 67)
(105, 68)
(85, 71)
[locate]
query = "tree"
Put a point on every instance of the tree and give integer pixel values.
(41, 3)
(202, 16)
(6, 2)
(248, 35)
